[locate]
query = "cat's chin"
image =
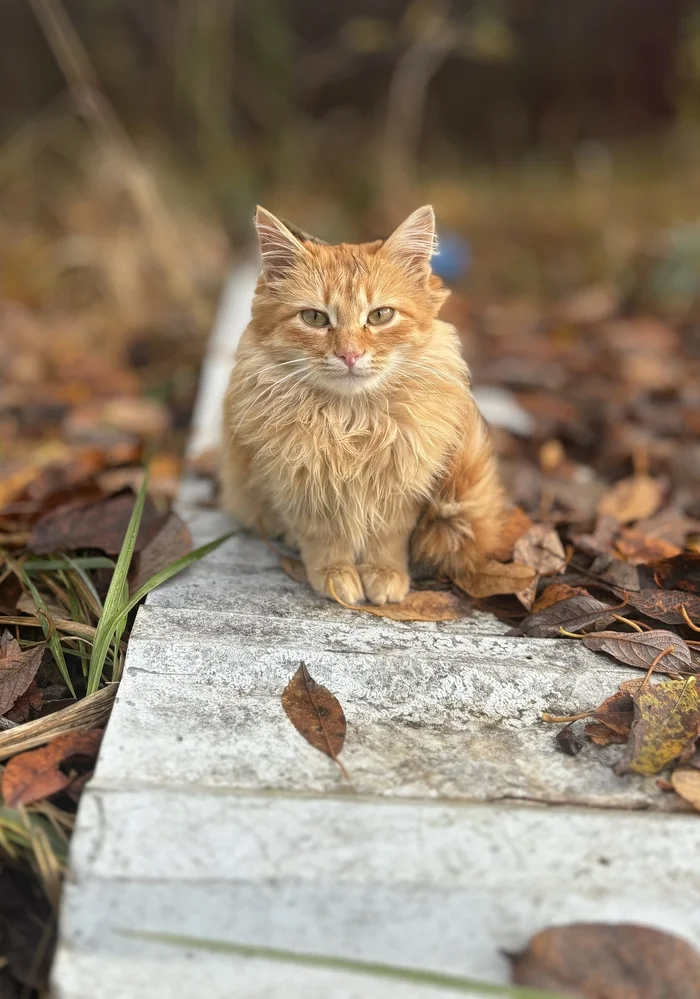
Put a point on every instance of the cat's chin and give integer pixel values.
(352, 385)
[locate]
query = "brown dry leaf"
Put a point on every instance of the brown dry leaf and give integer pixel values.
(100, 525)
(491, 578)
(578, 612)
(419, 605)
(17, 669)
(686, 783)
(294, 568)
(37, 773)
(541, 549)
(681, 572)
(641, 648)
(616, 961)
(316, 714)
(632, 499)
(171, 542)
(666, 722)
(31, 700)
(515, 523)
(637, 548)
(613, 719)
(554, 593)
(665, 605)
(601, 735)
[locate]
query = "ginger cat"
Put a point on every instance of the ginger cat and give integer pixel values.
(350, 427)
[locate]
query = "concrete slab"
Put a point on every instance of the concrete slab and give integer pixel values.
(210, 815)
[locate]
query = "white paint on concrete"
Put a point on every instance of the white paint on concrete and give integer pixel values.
(461, 832)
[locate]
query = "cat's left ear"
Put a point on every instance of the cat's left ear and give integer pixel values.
(414, 242)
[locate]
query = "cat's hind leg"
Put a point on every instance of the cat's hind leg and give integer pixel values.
(462, 523)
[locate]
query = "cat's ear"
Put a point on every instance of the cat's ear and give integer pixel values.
(414, 242)
(279, 247)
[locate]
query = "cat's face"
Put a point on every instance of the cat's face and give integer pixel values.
(346, 318)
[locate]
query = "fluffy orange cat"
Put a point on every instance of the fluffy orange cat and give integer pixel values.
(350, 427)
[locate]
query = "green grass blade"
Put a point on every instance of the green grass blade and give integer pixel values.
(115, 595)
(121, 614)
(414, 976)
(50, 633)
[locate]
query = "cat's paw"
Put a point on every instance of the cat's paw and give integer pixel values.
(384, 585)
(342, 582)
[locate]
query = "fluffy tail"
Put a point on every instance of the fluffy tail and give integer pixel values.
(463, 521)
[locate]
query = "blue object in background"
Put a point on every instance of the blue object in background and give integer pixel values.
(454, 257)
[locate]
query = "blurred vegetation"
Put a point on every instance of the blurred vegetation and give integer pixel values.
(563, 133)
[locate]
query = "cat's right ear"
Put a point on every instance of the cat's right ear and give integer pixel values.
(280, 249)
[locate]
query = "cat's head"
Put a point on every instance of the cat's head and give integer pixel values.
(346, 318)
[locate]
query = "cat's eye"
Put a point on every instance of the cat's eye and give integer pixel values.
(378, 317)
(314, 317)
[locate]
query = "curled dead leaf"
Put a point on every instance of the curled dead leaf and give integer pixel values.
(641, 648)
(97, 525)
(37, 774)
(18, 668)
(316, 714)
(554, 594)
(294, 568)
(665, 605)
(578, 612)
(491, 578)
(617, 961)
(418, 605)
(541, 549)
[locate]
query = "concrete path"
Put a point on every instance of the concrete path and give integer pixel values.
(461, 832)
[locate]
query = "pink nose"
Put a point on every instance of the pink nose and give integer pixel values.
(349, 356)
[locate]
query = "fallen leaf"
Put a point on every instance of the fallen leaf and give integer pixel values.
(555, 593)
(294, 568)
(601, 735)
(37, 774)
(100, 525)
(541, 549)
(31, 700)
(666, 721)
(17, 669)
(578, 612)
(491, 578)
(420, 605)
(617, 711)
(640, 648)
(637, 548)
(569, 741)
(614, 961)
(632, 499)
(316, 714)
(171, 542)
(682, 572)
(686, 783)
(515, 523)
(665, 605)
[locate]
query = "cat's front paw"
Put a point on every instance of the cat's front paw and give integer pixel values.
(340, 581)
(383, 584)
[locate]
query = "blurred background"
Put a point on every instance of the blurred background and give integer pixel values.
(557, 140)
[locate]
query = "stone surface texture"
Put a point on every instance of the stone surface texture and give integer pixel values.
(461, 831)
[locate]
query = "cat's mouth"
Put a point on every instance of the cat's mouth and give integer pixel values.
(351, 380)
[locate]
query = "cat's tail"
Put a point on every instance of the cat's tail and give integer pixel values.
(462, 522)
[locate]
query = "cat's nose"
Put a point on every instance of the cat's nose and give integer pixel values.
(349, 356)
